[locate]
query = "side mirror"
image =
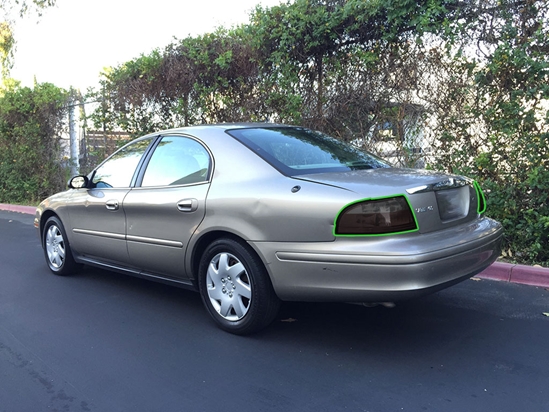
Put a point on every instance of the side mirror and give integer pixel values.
(78, 182)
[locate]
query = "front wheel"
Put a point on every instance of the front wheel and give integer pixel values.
(57, 249)
(236, 288)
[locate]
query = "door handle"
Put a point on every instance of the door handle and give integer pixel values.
(187, 205)
(111, 204)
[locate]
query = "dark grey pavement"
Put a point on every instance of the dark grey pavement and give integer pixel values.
(99, 341)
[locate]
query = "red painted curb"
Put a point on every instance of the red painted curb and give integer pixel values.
(530, 275)
(507, 272)
(30, 210)
(498, 271)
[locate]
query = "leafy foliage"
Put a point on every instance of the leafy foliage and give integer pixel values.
(30, 152)
(7, 42)
(453, 85)
(499, 129)
(9, 10)
(24, 7)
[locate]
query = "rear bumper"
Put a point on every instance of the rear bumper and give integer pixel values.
(380, 269)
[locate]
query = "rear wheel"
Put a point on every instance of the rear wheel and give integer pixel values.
(236, 288)
(57, 249)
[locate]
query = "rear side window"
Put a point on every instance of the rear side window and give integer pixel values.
(295, 151)
(177, 160)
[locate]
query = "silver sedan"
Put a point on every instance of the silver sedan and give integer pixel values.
(253, 214)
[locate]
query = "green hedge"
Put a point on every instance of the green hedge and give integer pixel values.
(469, 78)
(31, 120)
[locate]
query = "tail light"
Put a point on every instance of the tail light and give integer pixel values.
(481, 199)
(376, 217)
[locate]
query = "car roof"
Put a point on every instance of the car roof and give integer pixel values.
(217, 126)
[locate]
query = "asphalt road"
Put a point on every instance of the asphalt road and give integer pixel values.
(100, 341)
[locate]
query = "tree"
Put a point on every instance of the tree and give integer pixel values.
(471, 77)
(31, 122)
(496, 123)
(10, 11)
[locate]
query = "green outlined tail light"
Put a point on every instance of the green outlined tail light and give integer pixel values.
(376, 217)
(481, 207)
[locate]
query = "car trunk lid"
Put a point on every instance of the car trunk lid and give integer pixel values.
(438, 200)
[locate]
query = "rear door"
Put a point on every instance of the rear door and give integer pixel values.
(167, 205)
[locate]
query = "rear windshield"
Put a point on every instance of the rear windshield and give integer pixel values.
(297, 151)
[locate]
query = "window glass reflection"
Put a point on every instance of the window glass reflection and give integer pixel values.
(177, 160)
(118, 170)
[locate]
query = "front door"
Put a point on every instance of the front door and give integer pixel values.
(97, 215)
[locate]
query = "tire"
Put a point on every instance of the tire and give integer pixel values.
(236, 288)
(56, 247)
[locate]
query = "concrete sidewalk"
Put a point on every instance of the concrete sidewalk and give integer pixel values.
(507, 272)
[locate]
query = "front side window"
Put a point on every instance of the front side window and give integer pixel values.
(177, 160)
(296, 151)
(118, 170)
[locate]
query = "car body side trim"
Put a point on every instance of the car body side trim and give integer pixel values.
(340, 258)
(138, 239)
(109, 235)
(365, 258)
(155, 241)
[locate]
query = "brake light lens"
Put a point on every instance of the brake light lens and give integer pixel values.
(481, 208)
(376, 217)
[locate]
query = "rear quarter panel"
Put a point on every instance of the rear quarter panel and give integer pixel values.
(250, 198)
